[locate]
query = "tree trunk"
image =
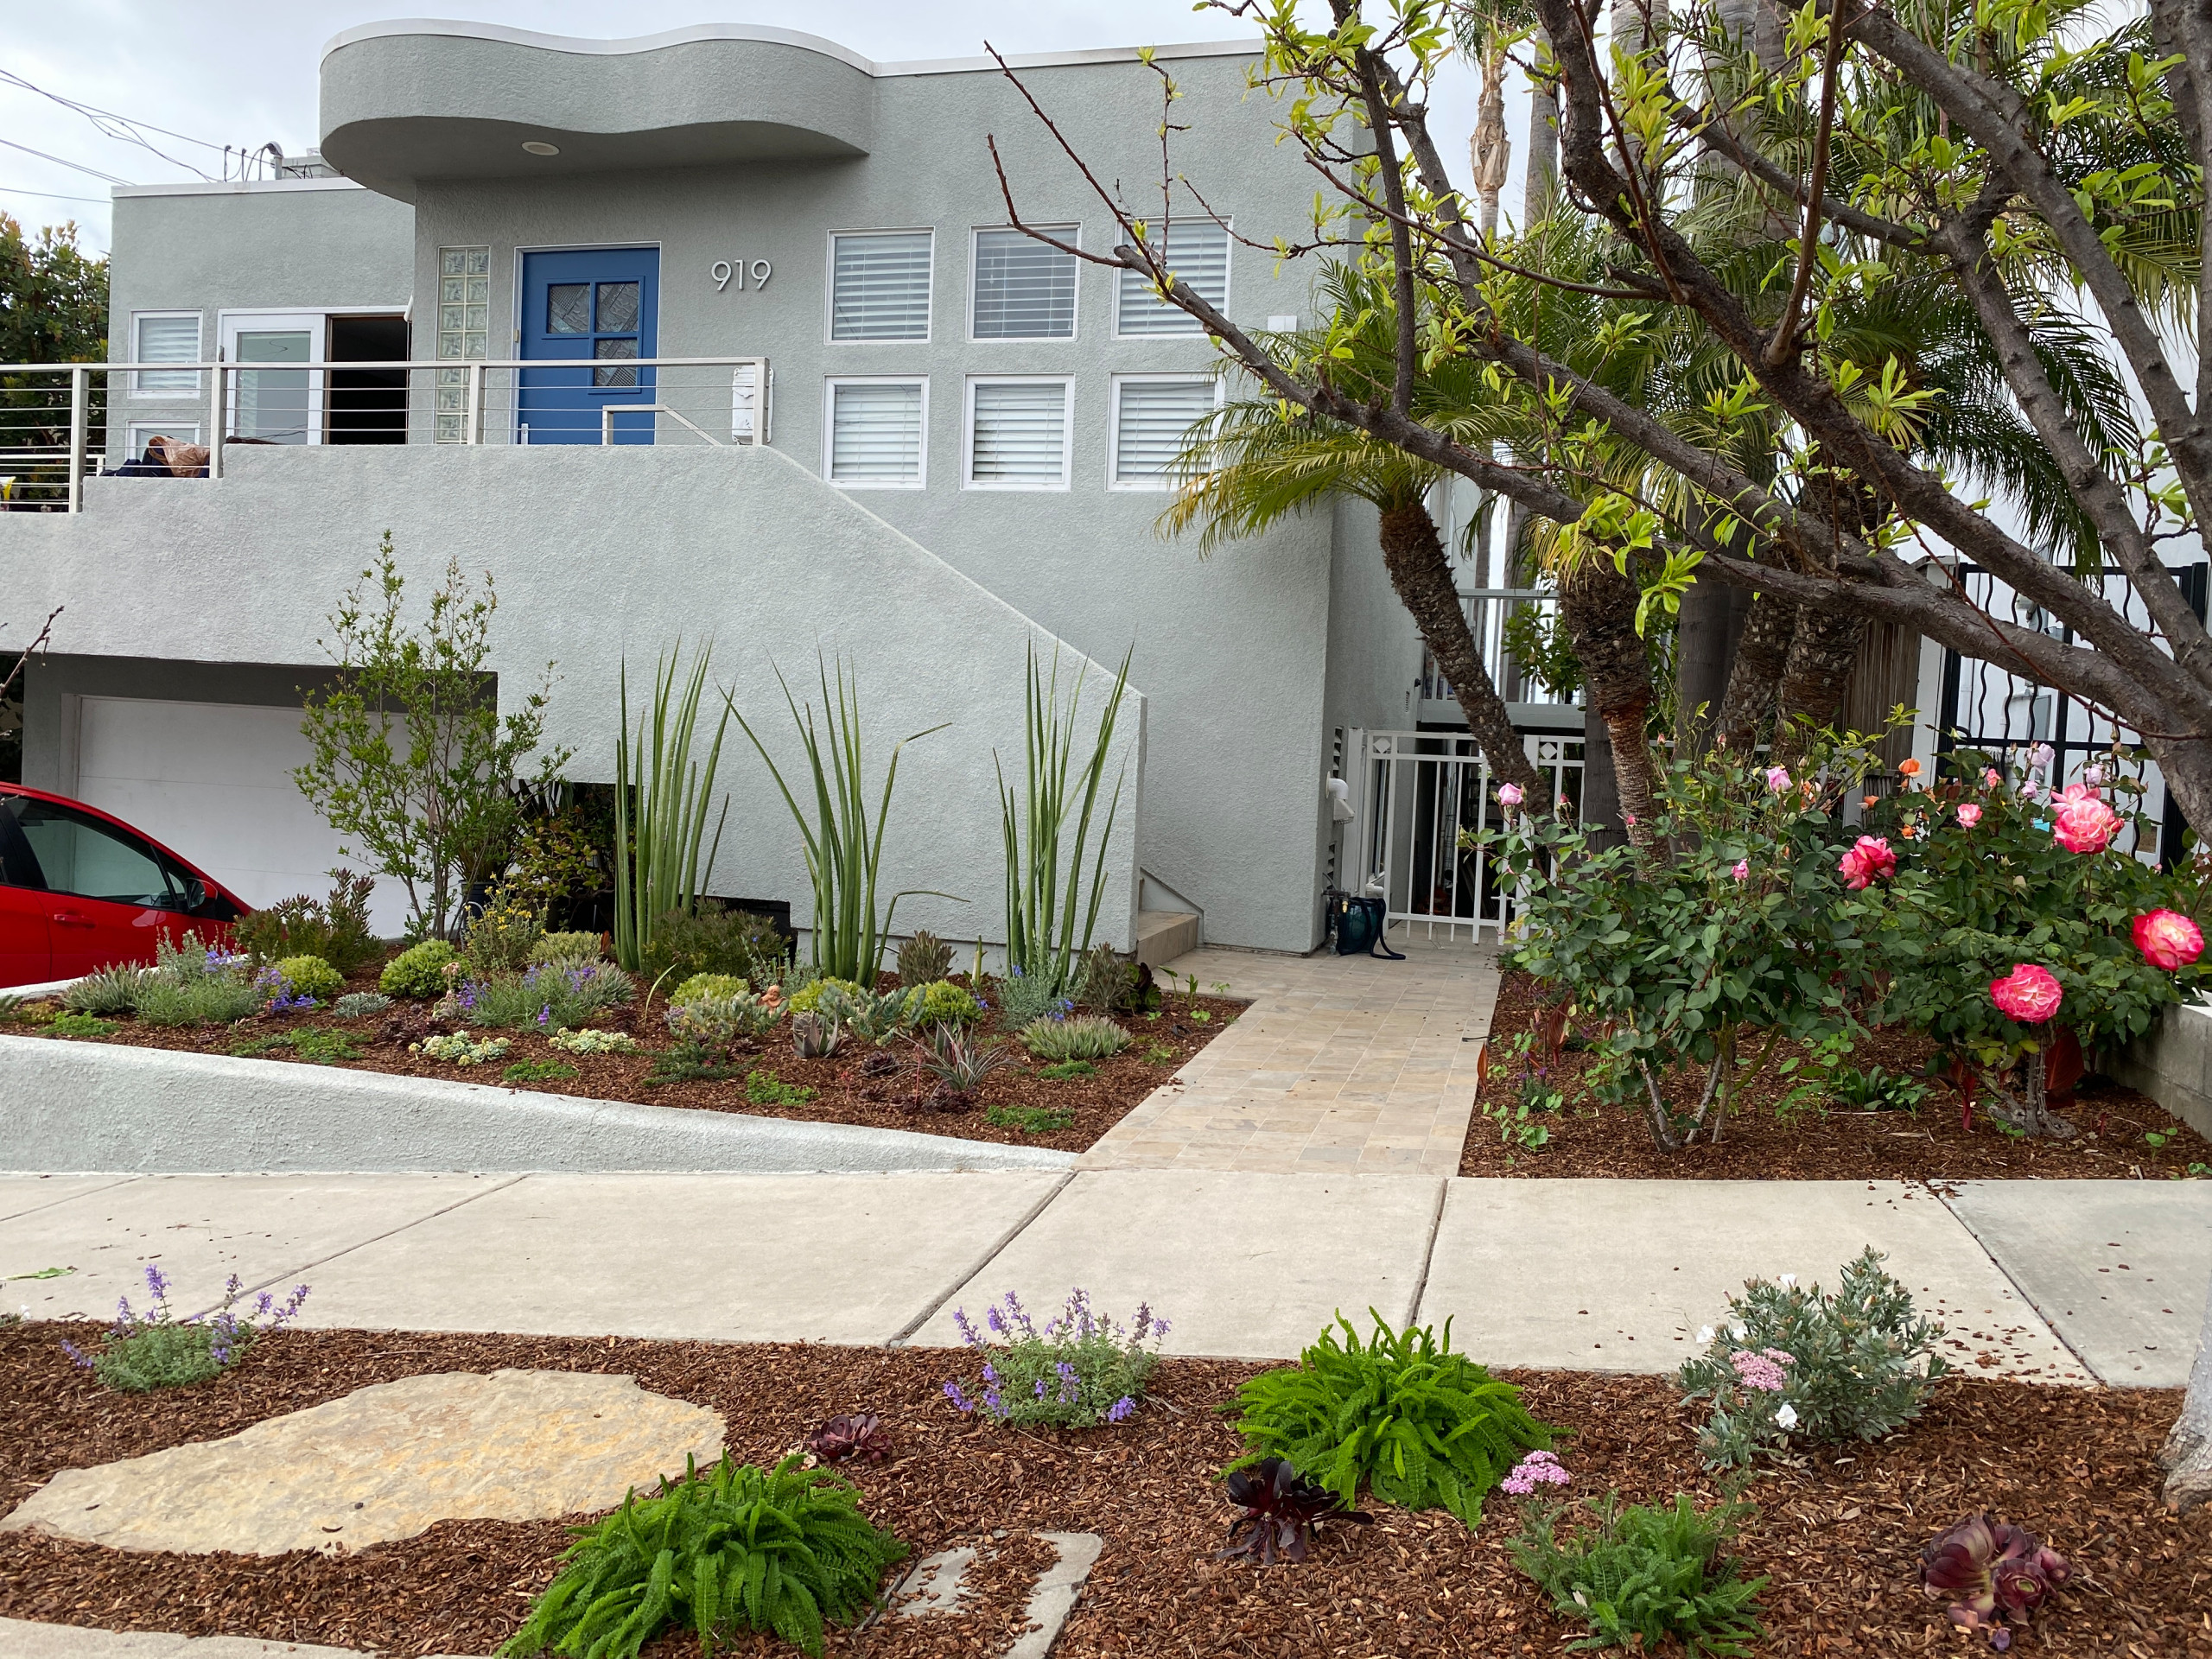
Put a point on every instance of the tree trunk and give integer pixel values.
(1760, 654)
(2187, 1454)
(1815, 677)
(1601, 794)
(1705, 633)
(1599, 606)
(1421, 574)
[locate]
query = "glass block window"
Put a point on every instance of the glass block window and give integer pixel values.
(1198, 253)
(464, 328)
(1018, 434)
(1151, 418)
(875, 433)
(880, 285)
(1024, 289)
(167, 337)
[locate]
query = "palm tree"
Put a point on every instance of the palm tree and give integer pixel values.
(1253, 463)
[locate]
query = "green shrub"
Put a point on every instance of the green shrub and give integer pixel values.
(1081, 1370)
(701, 987)
(715, 1025)
(153, 1349)
(537, 1071)
(941, 1002)
(359, 1005)
(738, 1550)
(567, 949)
(311, 976)
(809, 999)
(1023, 998)
(81, 1024)
(458, 1048)
(1083, 1037)
(1645, 1575)
(1423, 1426)
(1068, 1071)
(545, 997)
(1791, 1364)
(336, 929)
(588, 1041)
(923, 960)
(209, 1000)
(1030, 1120)
(316, 1047)
(1103, 980)
(418, 971)
(503, 936)
(766, 1089)
(111, 990)
(713, 941)
(873, 1019)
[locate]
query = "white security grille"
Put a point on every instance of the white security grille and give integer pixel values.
(169, 339)
(1019, 434)
(880, 286)
(1198, 253)
(1024, 289)
(1150, 420)
(875, 432)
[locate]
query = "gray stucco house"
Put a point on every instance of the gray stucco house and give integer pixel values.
(822, 398)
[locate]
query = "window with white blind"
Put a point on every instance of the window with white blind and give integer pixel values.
(875, 434)
(880, 285)
(166, 337)
(1151, 416)
(1024, 289)
(1018, 434)
(1198, 253)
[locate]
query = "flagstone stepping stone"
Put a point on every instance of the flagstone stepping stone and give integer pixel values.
(387, 1461)
(938, 1587)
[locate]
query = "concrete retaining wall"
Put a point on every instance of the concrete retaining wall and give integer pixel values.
(95, 1107)
(2173, 1065)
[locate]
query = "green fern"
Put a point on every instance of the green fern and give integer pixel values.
(738, 1549)
(1420, 1426)
(1646, 1574)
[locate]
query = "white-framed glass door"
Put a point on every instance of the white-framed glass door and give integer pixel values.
(268, 400)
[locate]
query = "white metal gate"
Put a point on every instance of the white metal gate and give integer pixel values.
(1414, 793)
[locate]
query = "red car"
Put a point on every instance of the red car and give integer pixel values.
(79, 890)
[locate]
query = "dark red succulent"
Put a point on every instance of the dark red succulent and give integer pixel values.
(1281, 1510)
(856, 1434)
(1996, 1574)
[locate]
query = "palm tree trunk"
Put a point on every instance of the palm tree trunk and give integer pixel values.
(1710, 621)
(1599, 606)
(1761, 655)
(1814, 678)
(1421, 574)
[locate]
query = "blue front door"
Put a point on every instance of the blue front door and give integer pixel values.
(597, 308)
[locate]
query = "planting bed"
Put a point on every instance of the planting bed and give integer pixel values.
(1827, 1142)
(1838, 1537)
(842, 1094)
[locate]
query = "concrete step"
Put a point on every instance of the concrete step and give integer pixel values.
(1164, 935)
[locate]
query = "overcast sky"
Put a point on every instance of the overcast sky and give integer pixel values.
(242, 73)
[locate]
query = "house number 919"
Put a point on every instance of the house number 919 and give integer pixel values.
(725, 271)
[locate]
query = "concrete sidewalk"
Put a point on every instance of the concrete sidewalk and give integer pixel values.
(1613, 1276)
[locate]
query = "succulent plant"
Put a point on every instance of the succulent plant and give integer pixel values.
(1996, 1573)
(854, 1434)
(958, 1060)
(815, 1036)
(923, 960)
(1281, 1510)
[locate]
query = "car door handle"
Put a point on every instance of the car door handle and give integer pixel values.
(72, 918)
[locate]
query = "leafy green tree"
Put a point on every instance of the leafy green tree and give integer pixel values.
(413, 763)
(53, 310)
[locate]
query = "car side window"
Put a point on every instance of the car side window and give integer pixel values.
(78, 853)
(18, 864)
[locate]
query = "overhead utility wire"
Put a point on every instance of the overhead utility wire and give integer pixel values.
(121, 128)
(59, 161)
(50, 195)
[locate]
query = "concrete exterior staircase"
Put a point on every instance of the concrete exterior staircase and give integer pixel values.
(1164, 935)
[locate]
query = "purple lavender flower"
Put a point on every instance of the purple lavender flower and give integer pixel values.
(952, 1392)
(968, 1334)
(990, 1374)
(1120, 1410)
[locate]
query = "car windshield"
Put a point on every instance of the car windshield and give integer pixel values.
(61, 850)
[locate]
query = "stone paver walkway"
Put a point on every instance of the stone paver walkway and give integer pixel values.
(1343, 1064)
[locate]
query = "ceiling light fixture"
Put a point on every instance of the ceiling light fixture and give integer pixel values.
(539, 147)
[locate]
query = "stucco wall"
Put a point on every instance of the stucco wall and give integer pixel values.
(602, 554)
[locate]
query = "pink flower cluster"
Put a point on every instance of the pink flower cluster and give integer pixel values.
(2168, 939)
(1869, 860)
(1537, 1469)
(1762, 1370)
(2081, 820)
(2028, 994)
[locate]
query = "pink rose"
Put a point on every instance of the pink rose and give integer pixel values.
(2028, 994)
(2082, 821)
(2168, 939)
(1509, 795)
(1778, 778)
(1989, 777)
(1743, 870)
(1869, 859)
(1969, 815)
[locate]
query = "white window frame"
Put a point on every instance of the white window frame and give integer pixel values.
(1071, 234)
(1115, 383)
(313, 324)
(140, 390)
(829, 289)
(967, 478)
(1227, 228)
(921, 480)
(137, 432)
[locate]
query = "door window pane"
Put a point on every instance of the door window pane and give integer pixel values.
(169, 339)
(615, 348)
(1198, 254)
(1021, 433)
(568, 308)
(1151, 419)
(1024, 289)
(273, 403)
(880, 286)
(875, 433)
(81, 855)
(618, 307)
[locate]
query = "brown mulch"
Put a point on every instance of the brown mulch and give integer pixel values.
(1827, 1142)
(1838, 1537)
(1160, 1044)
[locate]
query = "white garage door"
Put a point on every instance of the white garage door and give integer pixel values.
(212, 781)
